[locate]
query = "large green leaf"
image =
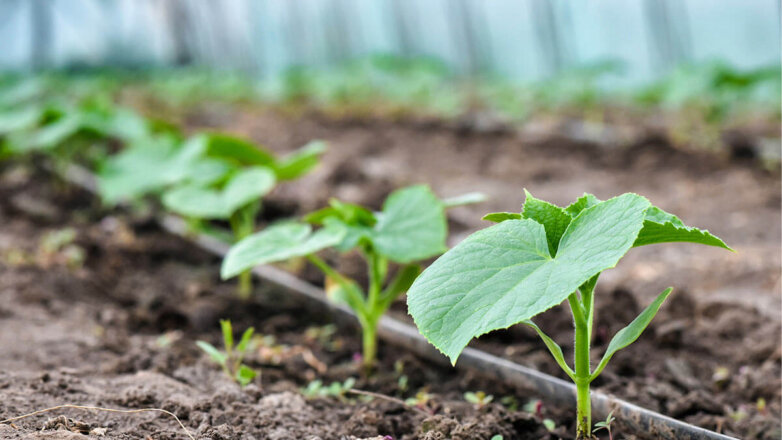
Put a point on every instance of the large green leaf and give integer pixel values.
(278, 243)
(504, 274)
(244, 187)
(553, 218)
(412, 225)
(659, 226)
(629, 334)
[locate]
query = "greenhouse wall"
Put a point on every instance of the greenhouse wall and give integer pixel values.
(515, 39)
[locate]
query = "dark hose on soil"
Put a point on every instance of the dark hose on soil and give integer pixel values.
(551, 389)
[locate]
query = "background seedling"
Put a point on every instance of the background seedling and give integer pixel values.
(478, 398)
(411, 227)
(228, 182)
(420, 400)
(534, 260)
(231, 359)
(316, 389)
(606, 424)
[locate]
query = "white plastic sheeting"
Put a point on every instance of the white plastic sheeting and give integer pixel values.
(520, 39)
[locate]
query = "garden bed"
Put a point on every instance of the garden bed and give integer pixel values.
(133, 290)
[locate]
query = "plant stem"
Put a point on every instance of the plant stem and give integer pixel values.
(369, 344)
(583, 400)
(377, 267)
(245, 288)
(242, 224)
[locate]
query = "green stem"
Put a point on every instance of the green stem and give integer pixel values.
(583, 400)
(367, 318)
(369, 344)
(243, 224)
(245, 287)
(377, 267)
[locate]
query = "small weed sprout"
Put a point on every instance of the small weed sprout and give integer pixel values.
(606, 424)
(231, 359)
(534, 260)
(411, 227)
(420, 400)
(316, 389)
(478, 398)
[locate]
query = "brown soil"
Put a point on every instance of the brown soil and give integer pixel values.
(710, 358)
(119, 331)
(91, 334)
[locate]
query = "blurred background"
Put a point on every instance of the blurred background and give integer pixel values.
(519, 40)
(506, 61)
(676, 100)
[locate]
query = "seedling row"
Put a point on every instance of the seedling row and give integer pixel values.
(534, 258)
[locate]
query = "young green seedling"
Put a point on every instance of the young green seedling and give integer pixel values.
(478, 398)
(317, 388)
(231, 359)
(234, 175)
(411, 227)
(606, 424)
(533, 260)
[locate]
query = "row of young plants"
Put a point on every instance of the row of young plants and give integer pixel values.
(710, 94)
(500, 276)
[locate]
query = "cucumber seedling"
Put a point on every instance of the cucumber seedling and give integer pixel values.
(231, 358)
(534, 260)
(235, 176)
(411, 227)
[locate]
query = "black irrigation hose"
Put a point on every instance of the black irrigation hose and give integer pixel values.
(550, 388)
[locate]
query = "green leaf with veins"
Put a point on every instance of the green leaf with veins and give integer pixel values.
(247, 185)
(505, 274)
(583, 202)
(553, 218)
(659, 226)
(662, 227)
(278, 243)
